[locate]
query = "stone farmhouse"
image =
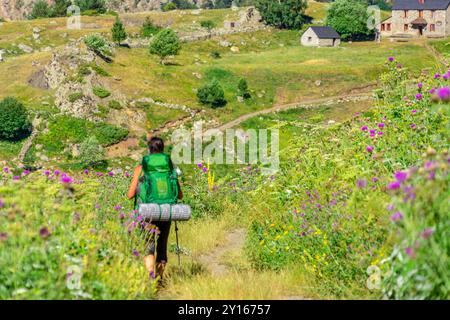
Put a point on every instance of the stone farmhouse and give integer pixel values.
(321, 36)
(417, 18)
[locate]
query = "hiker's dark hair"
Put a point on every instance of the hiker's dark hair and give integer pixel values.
(156, 145)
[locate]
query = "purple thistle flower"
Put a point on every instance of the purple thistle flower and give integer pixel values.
(401, 176)
(361, 183)
(127, 174)
(420, 85)
(390, 59)
(410, 252)
(394, 185)
(47, 173)
(86, 171)
(444, 93)
(135, 253)
(413, 126)
(121, 216)
(57, 172)
(446, 76)
(97, 206)
(2, 203)
(369, 149)
(431, 175)
(390, 207)
(200, 165)
(205, 169)
(380, 133)
(432, 90)
(381, 125)
(44, 233)
(65, 179)
(118, 207)
(364, 128)
(427, 233)
(16, 178)
(397, 216)
(375, 179)
(25, 173)
(437, 76)
(419, 96)
(99, 174)
(414, 111)
(111, 174)
(6, 170)
(3, 236)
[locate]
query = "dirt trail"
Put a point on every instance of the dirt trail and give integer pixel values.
(288, 106)
(213, 260)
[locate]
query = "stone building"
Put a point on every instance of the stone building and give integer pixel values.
(320, 37)
(416, 18)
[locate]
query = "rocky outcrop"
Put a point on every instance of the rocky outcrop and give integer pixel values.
(20, 9)
(73, 96)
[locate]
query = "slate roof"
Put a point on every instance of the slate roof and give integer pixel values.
(326, 32)
(415, 5)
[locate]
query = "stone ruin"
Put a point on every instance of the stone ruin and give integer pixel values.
(248, 18)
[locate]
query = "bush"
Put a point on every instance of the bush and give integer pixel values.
(14, 120)
(91, 6)
(208, 25)
(98, 45)
(113, 104)
(243, 89)
(41, 9)
(169, 6)
(216, 55)
(149, 29)
(349, 19)
(118, 31)
(286, 14)
(166, 43)
(101, 92)
(75, 96)
(212, 94)
(91, 152)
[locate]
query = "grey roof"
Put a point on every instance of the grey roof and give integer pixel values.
(326, 32)
(416, 5)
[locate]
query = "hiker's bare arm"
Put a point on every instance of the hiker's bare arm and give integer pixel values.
(134, 182)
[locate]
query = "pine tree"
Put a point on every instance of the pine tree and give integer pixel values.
(118, 31)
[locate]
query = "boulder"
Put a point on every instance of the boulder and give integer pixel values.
(25, 48)
(1, 55)
(235, 49)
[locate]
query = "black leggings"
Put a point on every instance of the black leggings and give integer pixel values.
(161, 240)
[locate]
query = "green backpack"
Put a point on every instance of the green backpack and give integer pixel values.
(159, 183)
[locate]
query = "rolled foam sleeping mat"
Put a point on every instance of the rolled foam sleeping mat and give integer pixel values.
(165, 212)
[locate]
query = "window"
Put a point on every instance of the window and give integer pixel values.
(383, 27)
(432, 27)
(405, 14)
(405, 27)
(420, 13)
(388, 27)
(309, 39)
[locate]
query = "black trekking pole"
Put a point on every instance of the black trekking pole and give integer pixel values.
(178, 245)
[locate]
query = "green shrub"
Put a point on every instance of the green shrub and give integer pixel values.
(91, 7)
(148, 28)
(75, 96)
(243, 89)
(98, 45)
(208, 25)
(349, 18)
(14, 120)
(101, 92)
(41, 9)
(100, 71)
(113, 104)
(169, 6)
(91, 152)
(215, 55)
(212, 94)
(287, 14)
(166, 43)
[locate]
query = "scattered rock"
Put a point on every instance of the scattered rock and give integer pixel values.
(38, 80)
(36, 33)
(197, 75)
(318, 83)
(240, 99)
(235, 49)
(1, 55)
(25, 48)
(225, 43)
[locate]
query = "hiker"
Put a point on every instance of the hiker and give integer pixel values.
(156, 165)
